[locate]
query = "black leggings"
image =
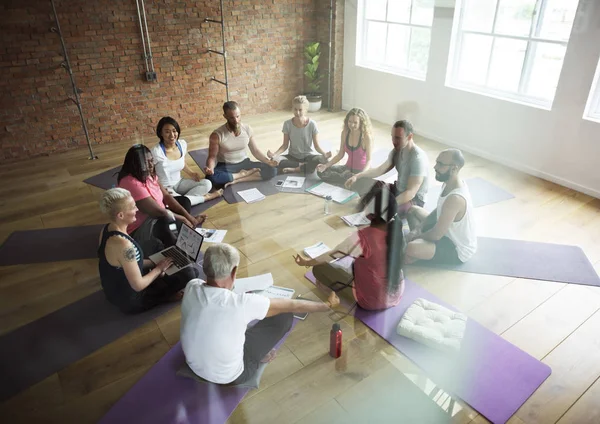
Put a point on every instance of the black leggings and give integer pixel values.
(307, 165)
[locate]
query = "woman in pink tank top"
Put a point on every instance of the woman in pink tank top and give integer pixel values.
(356, 142)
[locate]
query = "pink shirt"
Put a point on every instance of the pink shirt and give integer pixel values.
(357, 156)
(370, 272)
(139, 191)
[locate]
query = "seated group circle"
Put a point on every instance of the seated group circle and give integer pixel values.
(152, 202)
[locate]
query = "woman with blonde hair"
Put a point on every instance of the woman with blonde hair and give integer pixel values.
(357, 142)
(300, 135)
(129, 281)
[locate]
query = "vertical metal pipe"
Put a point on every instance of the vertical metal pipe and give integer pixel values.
(67, 66)
(147, 36)
(224, 51)
(137, 3)
(329, 90)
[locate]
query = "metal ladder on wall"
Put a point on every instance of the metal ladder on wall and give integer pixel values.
(223, 52)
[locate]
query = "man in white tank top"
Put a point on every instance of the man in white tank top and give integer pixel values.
(227, 161)
(447, 234)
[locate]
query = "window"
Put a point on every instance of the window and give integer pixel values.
(512, 49)
(592, 109)
(394, 35)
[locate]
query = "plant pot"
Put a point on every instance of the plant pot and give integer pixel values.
(314, 102)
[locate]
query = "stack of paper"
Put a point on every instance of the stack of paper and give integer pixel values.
(258, 282)
(338, 194)
(316, 250)
(276, 292)
(251, 195)
(356, 219)
(293, 182)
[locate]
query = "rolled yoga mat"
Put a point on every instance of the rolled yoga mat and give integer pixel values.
(490, 374)
(43, 347)
(528, 259)
(163, 397)
(105, 180)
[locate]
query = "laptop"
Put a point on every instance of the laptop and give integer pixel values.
(185, 252)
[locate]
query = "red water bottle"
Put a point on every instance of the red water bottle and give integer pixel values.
(335, 341)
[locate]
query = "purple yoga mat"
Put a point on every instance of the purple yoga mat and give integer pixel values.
(528, 259)
(163, 397)
(50, 245)
(483, 193)
(490, 374)
(106, 179)
(37, 350)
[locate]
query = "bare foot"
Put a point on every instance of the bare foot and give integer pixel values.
(291, 170)
(245, 172)
(200, 218)
(214, 194)
(269, 356)
(229, 184)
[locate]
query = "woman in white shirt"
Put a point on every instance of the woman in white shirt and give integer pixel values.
(169, 157)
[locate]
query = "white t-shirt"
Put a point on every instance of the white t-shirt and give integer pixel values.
(232, 149)
(168, 171)
(213, 329)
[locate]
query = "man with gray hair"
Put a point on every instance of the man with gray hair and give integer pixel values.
(447, 234)
(216, 340)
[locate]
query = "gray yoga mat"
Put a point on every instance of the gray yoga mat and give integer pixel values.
(106, 179)
(37, 350)
(528, 259)
(50, 245)
(482, 193)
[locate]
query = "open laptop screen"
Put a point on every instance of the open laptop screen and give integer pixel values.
(189, 241)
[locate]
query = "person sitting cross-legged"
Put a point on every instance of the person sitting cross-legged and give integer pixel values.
(227, 161)
(217, 343)
(376, 271)
(447, 234)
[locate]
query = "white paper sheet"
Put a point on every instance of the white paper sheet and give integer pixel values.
(251, 195)
(258, 282)
(338, 194)
(293, 182)
(356, 219)
(316, 250)
(212, 235)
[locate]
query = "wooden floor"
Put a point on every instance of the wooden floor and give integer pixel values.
(557, 323)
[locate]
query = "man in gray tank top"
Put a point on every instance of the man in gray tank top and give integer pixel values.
(447, 234)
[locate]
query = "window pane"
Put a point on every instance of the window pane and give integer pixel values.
(478, 15)
(558, 19)
(547, 64)
(507, 64)
(422, 12)
(375, 44)
(397, 47)
(514, 17)
(419, 50)
(474, 58)
(399, 11)
(375, 9)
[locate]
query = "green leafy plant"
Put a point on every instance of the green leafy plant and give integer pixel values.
(312, 53)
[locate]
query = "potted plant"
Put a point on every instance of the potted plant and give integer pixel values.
(312, 53)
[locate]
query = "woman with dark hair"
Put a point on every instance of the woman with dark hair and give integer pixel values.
(169, 160)
(157, 208)
(372, 258)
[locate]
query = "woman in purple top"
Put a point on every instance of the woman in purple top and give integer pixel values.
(357, 142)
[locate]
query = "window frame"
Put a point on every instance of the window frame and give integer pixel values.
(362, 33)
(528, 61)
(592, 107)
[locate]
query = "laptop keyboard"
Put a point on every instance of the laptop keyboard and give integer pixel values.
(179, 259)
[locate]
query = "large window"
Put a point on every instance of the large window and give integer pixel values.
(592, 109)
(394, 35)
(512, 49)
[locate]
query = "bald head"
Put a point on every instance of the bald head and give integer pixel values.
(453, 157)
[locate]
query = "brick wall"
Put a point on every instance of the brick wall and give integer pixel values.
(265, 40)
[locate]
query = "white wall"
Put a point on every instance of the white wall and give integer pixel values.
(557, 145)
